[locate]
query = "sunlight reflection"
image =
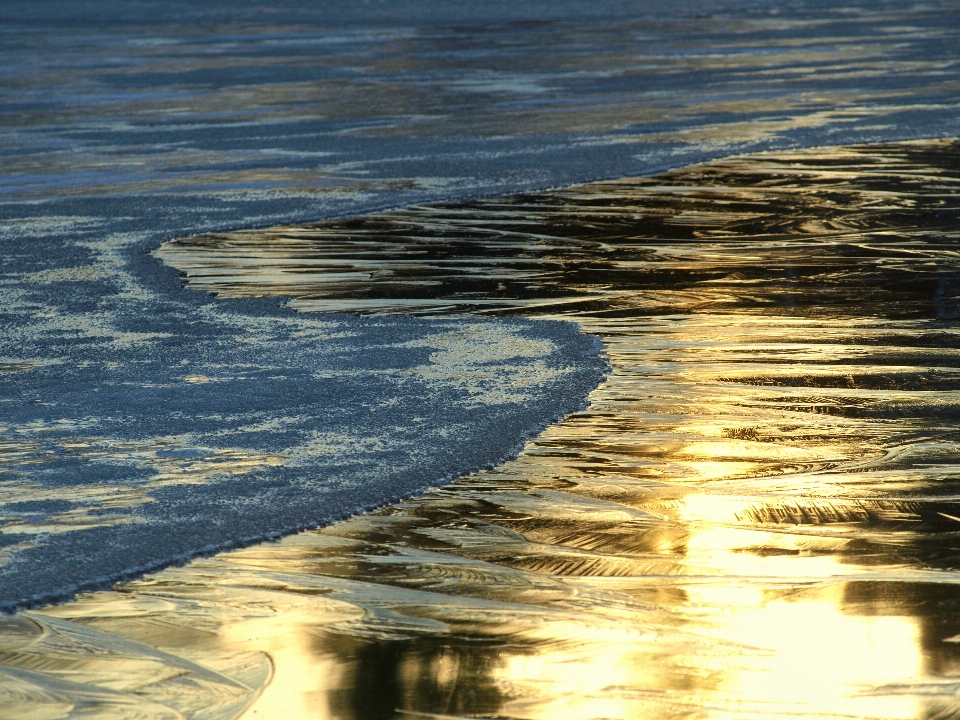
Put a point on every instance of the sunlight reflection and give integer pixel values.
(769, 657)
(818, 660)
(577, 685)
(301, 676)
(756, 516)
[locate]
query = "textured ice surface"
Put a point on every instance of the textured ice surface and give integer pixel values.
(140, 420)
(217, 425)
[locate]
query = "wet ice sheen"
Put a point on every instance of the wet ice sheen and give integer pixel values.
(756, 516)
(121, 130)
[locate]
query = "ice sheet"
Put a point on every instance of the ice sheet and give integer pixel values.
(142, 421)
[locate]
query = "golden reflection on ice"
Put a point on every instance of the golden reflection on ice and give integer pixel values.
(301, 678)
(813, 657)
(800, 657)
(756, 517)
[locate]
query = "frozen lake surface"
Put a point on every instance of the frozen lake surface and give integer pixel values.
(756, 516)
(141, 421)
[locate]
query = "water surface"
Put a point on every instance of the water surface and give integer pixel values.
(757, 516)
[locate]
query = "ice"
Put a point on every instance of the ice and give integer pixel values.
(173, 423)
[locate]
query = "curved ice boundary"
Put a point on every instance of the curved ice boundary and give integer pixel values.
(122, 451)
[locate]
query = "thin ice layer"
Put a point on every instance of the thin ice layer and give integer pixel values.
(124, 456)
(123, 129)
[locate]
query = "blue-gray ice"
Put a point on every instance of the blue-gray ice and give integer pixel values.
(140, 421)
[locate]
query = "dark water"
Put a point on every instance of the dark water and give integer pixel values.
(814, 233)
(757, 516)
